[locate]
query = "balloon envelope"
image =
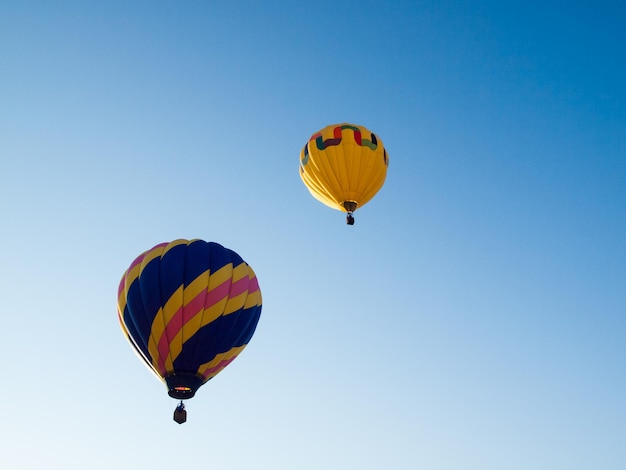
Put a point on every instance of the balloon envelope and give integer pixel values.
(344, 166)
(189, 308)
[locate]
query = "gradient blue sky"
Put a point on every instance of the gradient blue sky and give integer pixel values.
(474, 317)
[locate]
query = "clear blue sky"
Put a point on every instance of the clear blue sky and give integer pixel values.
(474, 317)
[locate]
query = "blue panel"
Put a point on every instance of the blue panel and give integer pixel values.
(170, 276)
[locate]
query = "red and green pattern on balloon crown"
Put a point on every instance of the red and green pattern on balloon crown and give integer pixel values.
(322, 144)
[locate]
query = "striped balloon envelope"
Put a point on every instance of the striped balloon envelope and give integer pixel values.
(188, 308)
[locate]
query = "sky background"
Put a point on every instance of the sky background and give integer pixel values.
(474, 317)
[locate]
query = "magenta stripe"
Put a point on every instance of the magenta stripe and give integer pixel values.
(254, 285)
(175, 325)
(218, 368)
(120, 288)
(143, 255)
(164, 345)
(239, 287)
(122, 285)
(137, 261)
(218, 293)
(193, 308)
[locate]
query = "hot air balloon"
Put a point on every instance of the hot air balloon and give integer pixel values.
(188, 308)
(344, 166)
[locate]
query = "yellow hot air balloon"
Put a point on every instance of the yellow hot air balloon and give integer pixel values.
(344, 166)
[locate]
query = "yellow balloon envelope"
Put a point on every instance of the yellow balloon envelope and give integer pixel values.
(344, 166)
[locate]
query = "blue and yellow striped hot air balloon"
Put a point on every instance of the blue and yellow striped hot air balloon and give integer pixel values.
(189, 308)
(344, 166)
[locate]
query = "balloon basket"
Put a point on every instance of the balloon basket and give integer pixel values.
(180, 414)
